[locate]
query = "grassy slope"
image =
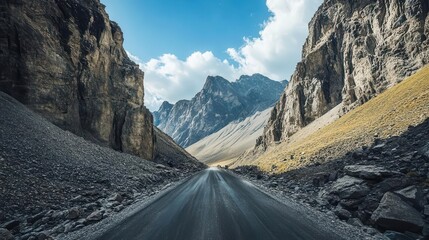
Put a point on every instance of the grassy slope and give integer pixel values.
(386, 115)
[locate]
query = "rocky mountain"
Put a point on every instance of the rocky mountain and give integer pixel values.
(355, 50)
(329, 137)
(162, 114)
(225, 145)
(64, 59)
(216, 105)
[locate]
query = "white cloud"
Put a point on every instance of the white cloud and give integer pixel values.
(278, 48)
(171, 79)
(273, 53)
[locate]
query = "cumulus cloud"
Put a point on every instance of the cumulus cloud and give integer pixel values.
(169, 78)
(277, 49)
(273, 53)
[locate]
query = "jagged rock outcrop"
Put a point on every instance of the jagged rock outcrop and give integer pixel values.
(216, 105)
(162, 114)
(65, 60)
(354, 51)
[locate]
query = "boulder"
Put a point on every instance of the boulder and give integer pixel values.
(369, 172)
(333, 176)
(349, 187)
(394, 214)
(413, 195)
(95, 216)
(393, 184)
(73, 213)
(116, 197)
(342, 213)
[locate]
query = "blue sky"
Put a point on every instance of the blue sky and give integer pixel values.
(178, 43)
(155, 27)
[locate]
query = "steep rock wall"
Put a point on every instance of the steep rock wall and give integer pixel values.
(65, 60)
(354, 51)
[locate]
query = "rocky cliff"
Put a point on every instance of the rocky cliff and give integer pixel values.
(65, 60)
(216, 105)
(354, 51)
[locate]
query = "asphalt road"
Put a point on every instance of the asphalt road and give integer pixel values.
(216, 204)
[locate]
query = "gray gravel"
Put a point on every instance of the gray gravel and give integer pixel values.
(43, 167)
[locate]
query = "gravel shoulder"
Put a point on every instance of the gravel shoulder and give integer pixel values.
(96, 230)
(331, 222)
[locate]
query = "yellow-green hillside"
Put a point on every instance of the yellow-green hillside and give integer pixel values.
(386, 115)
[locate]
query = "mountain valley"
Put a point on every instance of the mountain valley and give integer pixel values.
(340, 151)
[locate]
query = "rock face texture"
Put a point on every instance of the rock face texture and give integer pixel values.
(216, 105)
(392, 213)
(354, 51)
(65, 60)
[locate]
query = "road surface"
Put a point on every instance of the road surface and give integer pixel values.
(216, 204)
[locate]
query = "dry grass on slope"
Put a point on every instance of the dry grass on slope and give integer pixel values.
(388, 114)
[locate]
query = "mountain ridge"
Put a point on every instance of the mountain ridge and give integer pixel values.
(217, 104)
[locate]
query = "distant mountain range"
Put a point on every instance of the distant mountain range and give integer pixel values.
(225, 145)
(217, 104)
